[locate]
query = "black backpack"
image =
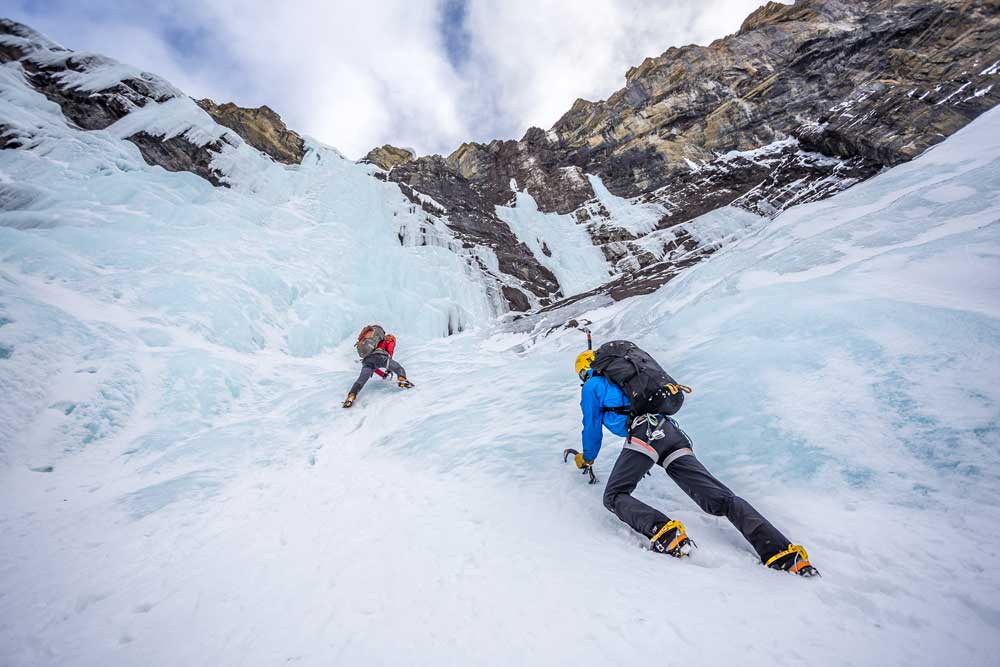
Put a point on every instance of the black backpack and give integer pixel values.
(649, 388)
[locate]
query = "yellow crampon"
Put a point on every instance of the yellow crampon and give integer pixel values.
(792, 549)
(680, 537)
(676, 388)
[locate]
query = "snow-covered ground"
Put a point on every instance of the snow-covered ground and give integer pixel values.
(179, 485)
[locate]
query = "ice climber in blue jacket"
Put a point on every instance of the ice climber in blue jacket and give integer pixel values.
(658, 440)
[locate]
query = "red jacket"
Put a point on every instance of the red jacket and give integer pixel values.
(389, 344)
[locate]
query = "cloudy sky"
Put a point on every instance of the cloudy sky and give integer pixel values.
(426, 74)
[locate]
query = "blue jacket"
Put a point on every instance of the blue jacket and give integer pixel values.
(598, 393)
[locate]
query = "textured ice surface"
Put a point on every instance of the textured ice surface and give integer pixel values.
(715, 228)
(179, 485)
(558, 243)
(136, 274)
(638, 219)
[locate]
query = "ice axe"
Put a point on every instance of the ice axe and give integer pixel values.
(586, 330)
(384, 373)
(587, 469)
(576, 325)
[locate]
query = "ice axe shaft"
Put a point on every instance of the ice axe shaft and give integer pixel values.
(585, 329)
(587, 470)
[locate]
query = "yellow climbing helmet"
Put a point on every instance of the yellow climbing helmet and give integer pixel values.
(583, 361)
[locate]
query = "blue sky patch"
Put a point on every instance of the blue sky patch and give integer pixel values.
(454, 32)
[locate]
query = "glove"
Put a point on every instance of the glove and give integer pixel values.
(581, 463)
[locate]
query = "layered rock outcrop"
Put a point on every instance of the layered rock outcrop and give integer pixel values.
(386, 156)
(262, 128)
(851, 78)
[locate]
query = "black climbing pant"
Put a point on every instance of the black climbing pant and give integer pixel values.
(371, 363)
(658, 440)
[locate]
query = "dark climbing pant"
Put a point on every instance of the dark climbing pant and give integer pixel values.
(658, 440)
(371, 363)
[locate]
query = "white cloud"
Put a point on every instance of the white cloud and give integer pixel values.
(356, 75)
(543, 56)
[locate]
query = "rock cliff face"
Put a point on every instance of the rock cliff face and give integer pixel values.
(804, 101)
(262, 128)
(52, 70)
(61, 75)
(388, 156)
(471, 218)
(852, 78)
(95, 92)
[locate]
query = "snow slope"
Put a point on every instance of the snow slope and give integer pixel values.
(178, 484)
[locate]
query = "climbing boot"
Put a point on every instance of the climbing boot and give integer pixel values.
(794, 559)
(404, 383)
(672, 540)
(349, 401)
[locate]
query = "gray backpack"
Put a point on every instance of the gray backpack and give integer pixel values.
(368, 339)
